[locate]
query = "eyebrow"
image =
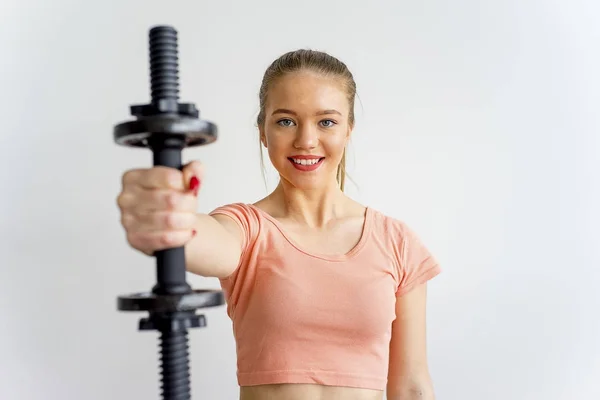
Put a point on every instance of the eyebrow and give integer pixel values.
(323, 112)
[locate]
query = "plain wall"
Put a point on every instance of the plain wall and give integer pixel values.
(477, 124)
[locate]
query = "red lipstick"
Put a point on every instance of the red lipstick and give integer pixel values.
(306, 163)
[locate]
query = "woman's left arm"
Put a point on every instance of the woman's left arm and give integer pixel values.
(408, 377)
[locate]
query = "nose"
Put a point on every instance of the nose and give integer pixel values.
(306, 137)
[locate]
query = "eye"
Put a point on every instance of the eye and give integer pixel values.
(328, 123)
(285, 122)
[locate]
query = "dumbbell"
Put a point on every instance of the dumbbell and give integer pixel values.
(167, 127)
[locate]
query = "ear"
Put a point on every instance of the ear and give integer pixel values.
(262, 136)
(349, 132)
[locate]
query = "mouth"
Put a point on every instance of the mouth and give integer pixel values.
(304, 164)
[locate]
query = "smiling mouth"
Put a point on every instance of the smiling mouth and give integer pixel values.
(306, 165)
(304, 161)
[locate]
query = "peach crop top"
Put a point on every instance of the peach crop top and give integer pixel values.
(309, 318)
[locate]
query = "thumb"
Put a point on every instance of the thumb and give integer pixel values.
(193, 173)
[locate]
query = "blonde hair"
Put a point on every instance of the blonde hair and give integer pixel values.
(314, 61)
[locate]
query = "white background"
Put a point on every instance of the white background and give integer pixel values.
(477, 124)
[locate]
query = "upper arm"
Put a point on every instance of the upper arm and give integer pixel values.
(408, 367)
(239, 224)
(222, 237)
(233, 228)
(215, 250)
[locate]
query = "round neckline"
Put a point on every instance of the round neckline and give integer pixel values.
(366, 230)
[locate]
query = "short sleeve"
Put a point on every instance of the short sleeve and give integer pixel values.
(246, 219)
(243, 216)
(417, 264)
(238, 285)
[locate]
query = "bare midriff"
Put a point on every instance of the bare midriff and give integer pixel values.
(307, 392)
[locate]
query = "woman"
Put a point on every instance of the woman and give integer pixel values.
(327, 296)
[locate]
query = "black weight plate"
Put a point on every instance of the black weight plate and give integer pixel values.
(170, 303)
(194, 131)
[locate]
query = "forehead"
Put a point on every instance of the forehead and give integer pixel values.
(308, 90)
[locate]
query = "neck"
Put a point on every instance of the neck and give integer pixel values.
(315, 208)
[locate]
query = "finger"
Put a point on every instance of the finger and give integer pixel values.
(193, 173)
(158, 177)
(159, 221)
(131, 177)
(142, 201)
(150, 242)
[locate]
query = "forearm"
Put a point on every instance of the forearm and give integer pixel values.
(413, 391)
(411, 396)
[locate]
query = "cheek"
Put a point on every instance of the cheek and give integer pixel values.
(274, 154)
(279, 140)
(337, 144)
(277, 148)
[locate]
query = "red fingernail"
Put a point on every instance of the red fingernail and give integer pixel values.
(194, 185)
(193, 232)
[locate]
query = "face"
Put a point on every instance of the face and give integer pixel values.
(306, 129)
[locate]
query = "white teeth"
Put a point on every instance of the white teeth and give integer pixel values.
(306, 162)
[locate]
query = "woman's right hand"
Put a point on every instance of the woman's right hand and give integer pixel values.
(159, 206)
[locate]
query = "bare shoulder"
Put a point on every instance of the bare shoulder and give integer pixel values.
(265, 205)
(356, 209)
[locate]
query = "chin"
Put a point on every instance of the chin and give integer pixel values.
(309, 183)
